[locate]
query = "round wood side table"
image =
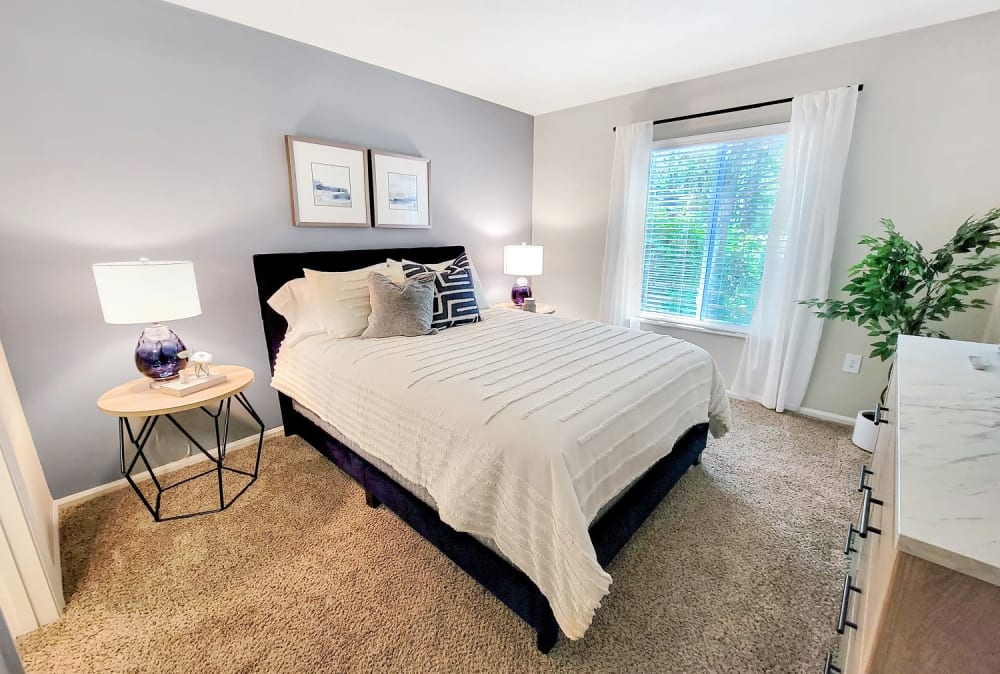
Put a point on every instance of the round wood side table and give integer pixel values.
(137, 399)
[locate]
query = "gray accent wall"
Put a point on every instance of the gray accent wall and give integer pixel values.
(135, 127)
(925, 152)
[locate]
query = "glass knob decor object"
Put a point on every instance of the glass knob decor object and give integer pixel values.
(160, 353)
(202, 360)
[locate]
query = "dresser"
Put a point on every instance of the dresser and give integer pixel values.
(922, 594)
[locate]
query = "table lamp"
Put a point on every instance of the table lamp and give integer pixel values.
(522, 261)
(150, 291)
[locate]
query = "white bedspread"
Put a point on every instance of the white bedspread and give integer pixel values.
(521, 427)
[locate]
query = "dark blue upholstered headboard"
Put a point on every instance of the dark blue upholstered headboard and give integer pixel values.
(273, 270)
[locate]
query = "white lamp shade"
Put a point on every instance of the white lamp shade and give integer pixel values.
(523, 260)
(146, 291)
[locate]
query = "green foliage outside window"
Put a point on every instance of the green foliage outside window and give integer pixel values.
(708, 216)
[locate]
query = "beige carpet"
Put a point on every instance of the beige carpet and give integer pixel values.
(737, 571)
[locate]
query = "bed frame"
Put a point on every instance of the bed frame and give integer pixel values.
(609, 533)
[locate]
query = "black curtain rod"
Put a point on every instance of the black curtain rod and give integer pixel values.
(724, 111)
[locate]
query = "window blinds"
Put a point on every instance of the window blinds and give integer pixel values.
(708, 213)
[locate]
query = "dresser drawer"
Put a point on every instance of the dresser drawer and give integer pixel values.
(849, 620)
(862, 591)
(870, 544)
(929, 604)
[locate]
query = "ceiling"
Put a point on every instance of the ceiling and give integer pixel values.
(543, 55)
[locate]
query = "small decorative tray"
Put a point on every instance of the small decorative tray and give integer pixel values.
(181, 388)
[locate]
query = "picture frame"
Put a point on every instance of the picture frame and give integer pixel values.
(400, 190)
(328, 183)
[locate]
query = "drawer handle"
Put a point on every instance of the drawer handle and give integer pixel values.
(878, 414)
(862, 484)
(849, 545)
(829, 667)
(845, 600)
(864, 528)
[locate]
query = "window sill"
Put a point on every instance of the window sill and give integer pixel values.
(693, 327)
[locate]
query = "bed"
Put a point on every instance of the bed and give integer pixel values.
(527, 448)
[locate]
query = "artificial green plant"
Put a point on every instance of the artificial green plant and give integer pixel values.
(897, 289)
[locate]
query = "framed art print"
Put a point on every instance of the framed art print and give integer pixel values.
(328, 183)
(401, 187)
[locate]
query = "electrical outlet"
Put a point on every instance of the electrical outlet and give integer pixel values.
(852, 363)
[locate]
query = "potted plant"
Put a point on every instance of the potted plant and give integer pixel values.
(898, 289)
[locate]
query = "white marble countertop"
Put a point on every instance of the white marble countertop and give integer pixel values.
(948, 455)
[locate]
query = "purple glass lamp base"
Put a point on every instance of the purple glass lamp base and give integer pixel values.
(520, 291)
(160, 353)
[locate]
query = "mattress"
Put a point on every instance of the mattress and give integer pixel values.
(518, 429)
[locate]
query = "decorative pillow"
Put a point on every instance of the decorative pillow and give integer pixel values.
(294, 303)
(455, 299)
(341, 299)
(400, 310)
(476, 281)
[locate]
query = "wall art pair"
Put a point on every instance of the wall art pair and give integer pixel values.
(336, 185)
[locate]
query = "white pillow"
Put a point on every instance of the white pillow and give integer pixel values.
(477, 285)
(342, 300)
(292, 301)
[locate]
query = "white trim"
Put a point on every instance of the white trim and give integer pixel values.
(24, 572)
(723, 136)
(101, 490)
(57, 550)
(805, 412)
(825, 416)
(711, 327)
(15, 605)
(31, 541)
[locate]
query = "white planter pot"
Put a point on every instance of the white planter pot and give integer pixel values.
(865, 430)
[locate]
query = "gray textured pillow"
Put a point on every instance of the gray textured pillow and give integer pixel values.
(400, 311)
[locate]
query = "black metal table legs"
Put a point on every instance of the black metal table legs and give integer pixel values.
(219, 416)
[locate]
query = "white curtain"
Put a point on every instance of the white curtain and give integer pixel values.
(783, 338)
(622, 274)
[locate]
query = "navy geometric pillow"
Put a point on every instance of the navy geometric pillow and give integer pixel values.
(454, 297)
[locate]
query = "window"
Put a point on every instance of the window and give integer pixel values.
(708, 212)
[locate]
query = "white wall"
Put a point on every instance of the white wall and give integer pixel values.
(926, 153)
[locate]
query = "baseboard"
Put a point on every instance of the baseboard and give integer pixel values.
(825, 416)
(56, 544)
(101, 490)
(809, 412)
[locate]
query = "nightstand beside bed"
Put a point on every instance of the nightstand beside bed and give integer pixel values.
(540, 308)
(137, 399)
